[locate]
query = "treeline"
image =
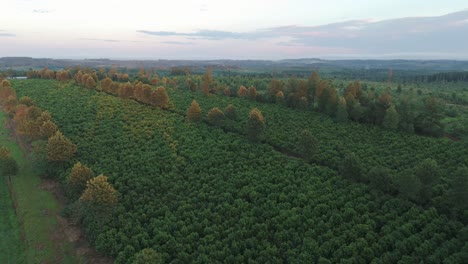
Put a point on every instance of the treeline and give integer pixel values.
(353, 103)
(440, 77)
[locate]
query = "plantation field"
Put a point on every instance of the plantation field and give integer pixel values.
(197, 193)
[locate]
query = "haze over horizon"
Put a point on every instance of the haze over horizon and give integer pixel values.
(208, 29)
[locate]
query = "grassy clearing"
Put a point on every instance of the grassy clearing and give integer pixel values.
(36, 210)
(11, 247)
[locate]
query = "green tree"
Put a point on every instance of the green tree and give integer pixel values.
(307, 144)
(255, 125)
(391, 118)
(379, 178)
(342, 112)
(458, 192)
(147, 256)
(230, 112)
(427, 171)
(409, 186)
(8, 165)
(351, 168)
(252, 94)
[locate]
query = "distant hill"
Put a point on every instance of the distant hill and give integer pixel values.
(429, 65)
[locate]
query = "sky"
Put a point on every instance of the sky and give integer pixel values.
(241, 29)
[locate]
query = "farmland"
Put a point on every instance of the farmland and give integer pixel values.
(197, 192)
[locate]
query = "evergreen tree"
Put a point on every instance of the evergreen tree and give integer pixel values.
(458, 193)
(379, 178)
(409, 186)
(215, 116)
(351, 168)
(252, 93)
(147, 256)
(342, 112)
(307, 144)
(391, 119)
(230, 112)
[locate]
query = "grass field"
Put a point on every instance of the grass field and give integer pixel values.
(37, 210)
(11, 248)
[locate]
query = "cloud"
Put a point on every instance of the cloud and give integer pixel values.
(7, 34)
(105, 40)
(208, 34)
(417, 34)
(177, 42)
(42, 11)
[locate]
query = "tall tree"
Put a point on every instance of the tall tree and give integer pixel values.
(342, 111)
(307, 145)
(147, 256)
(106, 85)
(409, 186)
(215, 116)
(126, 91)
(8, 165)
(242, 92)
(60, 148)
(194, 112)
(161, 99)
(252, 93)
(351, 168)
(458, 192)
(380, 179)
(90, 83)
(255, 125)
(230, 112)
(207, 81)
(391, 119)
(47, 129)
(99, 193)
(79, 176)
(427, 171)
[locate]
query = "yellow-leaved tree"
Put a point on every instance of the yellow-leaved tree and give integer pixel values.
(79, 176)
(215, 116)
(47, 129)
(255, 125)
(99, 193)
(194, 112)
(160, 98)
(60, 148)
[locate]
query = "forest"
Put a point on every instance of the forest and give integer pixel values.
(182, 167)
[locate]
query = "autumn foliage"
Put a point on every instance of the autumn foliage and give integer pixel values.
(255, 125)
(60, 148)
(79, 176)
(99, 193)
(194, 112)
